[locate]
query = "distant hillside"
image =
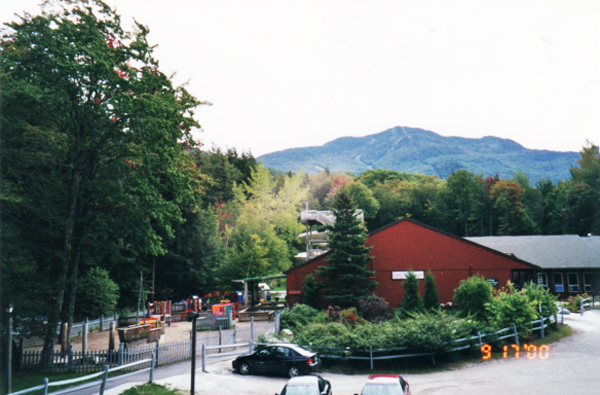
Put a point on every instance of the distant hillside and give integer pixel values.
(420, 151)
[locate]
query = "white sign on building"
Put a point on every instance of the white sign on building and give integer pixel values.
(401, 275)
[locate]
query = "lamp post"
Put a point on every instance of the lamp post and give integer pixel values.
(193, 317)
(9, 310)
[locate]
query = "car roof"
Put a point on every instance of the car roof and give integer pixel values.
(384, 379)
(294, 347)
(302, 380)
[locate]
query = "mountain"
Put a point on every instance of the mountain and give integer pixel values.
(421, 151)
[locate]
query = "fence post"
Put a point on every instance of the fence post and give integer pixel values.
(234, 335)
(480, 341)
(371, 356)
(101, 322)
(21, 351)
(70, 358)
(121, 350)
(581, 308)
(84, 338)
(220, 337)
(154, 358)
(250, 346)
(45, 390)
(203, 357)
(310, 346)
(542, 321)
(516, 334)
(104, 377)
(252, 328)
(157, 350)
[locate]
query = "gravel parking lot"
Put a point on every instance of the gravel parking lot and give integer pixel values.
(573, 367)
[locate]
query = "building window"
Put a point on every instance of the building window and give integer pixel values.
(587, 282)
(573, 279)
(542, 280)
(558, 283)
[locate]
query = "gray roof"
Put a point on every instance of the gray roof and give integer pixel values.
(548, 252)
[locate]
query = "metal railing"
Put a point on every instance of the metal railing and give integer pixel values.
(102, 382)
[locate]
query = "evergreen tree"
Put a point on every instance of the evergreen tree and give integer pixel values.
(346, 273)
(310, 292)
(431, 298)
(412, 301)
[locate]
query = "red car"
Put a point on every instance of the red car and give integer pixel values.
(386, 384)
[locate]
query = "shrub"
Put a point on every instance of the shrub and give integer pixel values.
(373, 308)
(509, 305)
(472, 295)
(297, 317)
(431, 297)
(541, 296)
(431, 332)
(412, 302)
(310, 292)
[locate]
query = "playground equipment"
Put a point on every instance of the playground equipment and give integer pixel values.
(317, 239)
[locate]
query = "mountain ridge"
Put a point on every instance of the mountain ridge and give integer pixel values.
(420, 151)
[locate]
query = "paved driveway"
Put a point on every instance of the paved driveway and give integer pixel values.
(573, 367)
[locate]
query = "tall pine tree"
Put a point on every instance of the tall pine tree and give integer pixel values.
(346, 273)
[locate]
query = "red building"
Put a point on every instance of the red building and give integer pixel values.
(410, 245)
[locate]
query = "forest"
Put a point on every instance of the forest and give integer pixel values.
(102, 179)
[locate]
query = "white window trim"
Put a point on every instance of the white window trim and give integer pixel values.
(587, 287)
(569, 284)
(545, 278)
(562, 282)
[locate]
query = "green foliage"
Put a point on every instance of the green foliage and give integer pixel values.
(431, 298)
(263, 237)
(297, 317)
(511, 306)
(97, 294)
(421, 331)
(463, 198)
(151, 389)
(310, 292)
(411, 302)
(541, 296)
(472, 295)
(585, 192)
(93, 135)
(346, 275)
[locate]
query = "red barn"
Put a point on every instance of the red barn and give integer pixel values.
(410, 245)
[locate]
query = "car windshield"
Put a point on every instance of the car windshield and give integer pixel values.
(300, 390)
(382, 389)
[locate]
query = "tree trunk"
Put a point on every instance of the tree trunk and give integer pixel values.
(54, 313)
(72, 296)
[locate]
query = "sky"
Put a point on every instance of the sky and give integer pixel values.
(285, 74)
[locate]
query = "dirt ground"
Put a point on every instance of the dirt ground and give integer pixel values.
(99, 340)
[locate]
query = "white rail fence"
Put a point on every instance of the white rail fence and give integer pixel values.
(102, 382)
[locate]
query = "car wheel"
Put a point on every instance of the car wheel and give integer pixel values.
(244, 368)
(294, 371)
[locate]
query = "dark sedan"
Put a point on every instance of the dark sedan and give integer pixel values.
(307, 385)
(288, 359)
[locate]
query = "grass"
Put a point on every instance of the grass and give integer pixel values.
(151, 389)
(421, 365)
(27, 379)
